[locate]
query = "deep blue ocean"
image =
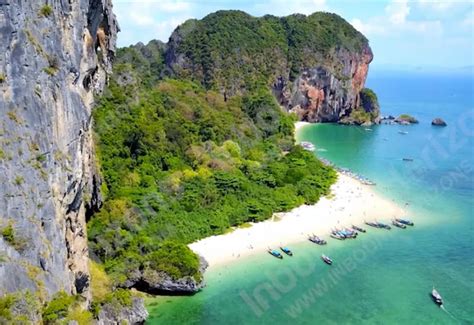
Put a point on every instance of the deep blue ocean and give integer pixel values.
(382, 277)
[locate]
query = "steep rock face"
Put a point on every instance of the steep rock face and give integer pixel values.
(134, 314)
(315, 65)
(154, 282)
(53, 59)
(321, 95)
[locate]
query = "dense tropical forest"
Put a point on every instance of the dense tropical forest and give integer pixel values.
(181, 163)
(233, 50)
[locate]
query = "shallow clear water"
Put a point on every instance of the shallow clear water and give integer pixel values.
(383, 277)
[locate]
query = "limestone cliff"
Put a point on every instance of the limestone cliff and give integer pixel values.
(320, 94)
(55, 55)
(315, 65)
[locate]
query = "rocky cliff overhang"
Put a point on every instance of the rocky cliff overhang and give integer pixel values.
(327, 92)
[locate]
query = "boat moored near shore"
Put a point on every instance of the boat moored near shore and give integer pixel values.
(398, 224)
(326, 259)
(275, 253)
(337, 236)
(287, 251)
(315, 239)
(405, 221)
(436, 297)
(358, 228)
(308, 146)
(377, 224)
(383, 226)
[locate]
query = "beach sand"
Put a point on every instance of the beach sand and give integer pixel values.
(300, 124)
(350, 203)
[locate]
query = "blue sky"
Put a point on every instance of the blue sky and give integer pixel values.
(402, 33)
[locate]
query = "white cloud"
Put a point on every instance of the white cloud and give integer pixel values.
(396, 21)
(150, 19)
(436, 5)
(370, 28)
(397, 11)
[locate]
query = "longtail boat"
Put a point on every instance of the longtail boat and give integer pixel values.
(405, 222)
(398, 224)
(436, 297)
(275, 253)
(326, 259)
(287, 251)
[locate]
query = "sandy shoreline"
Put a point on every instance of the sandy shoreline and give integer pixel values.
(350, 203)
(300, 124)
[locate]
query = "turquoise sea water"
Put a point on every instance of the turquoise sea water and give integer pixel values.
(383, 277)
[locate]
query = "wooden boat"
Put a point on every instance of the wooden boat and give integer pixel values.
(326, 259)
(352, 233)
(384, 226)
(407, 159)
(308, 146)
(358, 228)
(275, 253)
(372, 224)
(403, 132)
(336, 236)
(338, 233)
(315, 239)
(436, 297)
(398, 224)
(287, 251)
(405, 222)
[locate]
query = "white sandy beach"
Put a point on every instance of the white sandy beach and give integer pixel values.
(300, 124)
(350, 203)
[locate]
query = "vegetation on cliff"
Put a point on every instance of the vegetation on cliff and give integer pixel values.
(406, 118)
(180, 163)
(231, 50)
(367, 112)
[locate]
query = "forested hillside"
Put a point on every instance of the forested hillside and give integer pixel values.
(180, 163)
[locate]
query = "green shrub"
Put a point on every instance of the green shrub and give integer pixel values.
(58, 307)
(14, 117)
(50, 70)
(120, 297)
(46, 10)
(177, 260)
(407, 118)
(6, 304)
(21, 307)
(8, 234)
(3, 78)
(18, 180)
(360, 116)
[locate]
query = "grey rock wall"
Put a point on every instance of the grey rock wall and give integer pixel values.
(52, 62)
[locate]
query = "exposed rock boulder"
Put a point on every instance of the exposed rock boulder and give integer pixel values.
(438, 122)
(406, 119)
(50, 70)
(134, 314)
(155, 282)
